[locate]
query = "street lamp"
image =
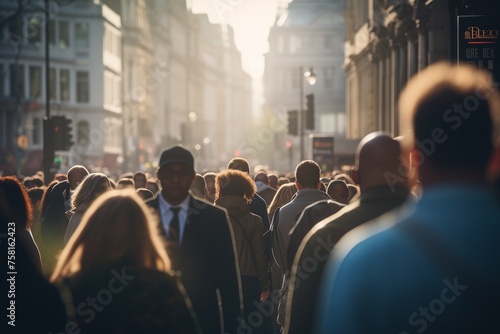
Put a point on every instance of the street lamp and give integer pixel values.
(311, 80)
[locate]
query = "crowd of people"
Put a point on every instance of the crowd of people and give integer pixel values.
(404, 242)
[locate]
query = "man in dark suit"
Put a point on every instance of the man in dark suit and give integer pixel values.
(200, 244)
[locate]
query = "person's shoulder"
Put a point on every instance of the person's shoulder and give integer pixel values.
(201, 206)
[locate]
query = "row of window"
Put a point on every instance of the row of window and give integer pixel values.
(28, 80)
(295, 44)
(29, 29)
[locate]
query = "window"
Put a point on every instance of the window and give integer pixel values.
(82, 87)
(16, 29)
(281, 44)
(328, 75)
(82, 133)
(295, 44)
(36, 131)
(52, 84)
(17, 80)
(35, 82)
(82, 35)
(52, 32)
(64, 85)
(63, 35)
(34, 30)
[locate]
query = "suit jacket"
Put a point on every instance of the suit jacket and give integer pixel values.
(207, 262)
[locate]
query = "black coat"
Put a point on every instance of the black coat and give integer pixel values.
(207, 262)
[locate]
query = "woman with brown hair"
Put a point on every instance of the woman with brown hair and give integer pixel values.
(92, 186)
(234, 190)
(118, 271)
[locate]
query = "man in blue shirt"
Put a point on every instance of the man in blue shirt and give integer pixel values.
(433, 268)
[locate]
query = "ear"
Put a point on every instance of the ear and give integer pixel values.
(297, 184)
(416, 158)
(318, 186)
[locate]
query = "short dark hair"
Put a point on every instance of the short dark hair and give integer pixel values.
(308, 173)
(447, 112)
(239, 164)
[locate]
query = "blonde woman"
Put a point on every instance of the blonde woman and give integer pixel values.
(118, 272)
(92, 186)
(234, 190)
(283, 196)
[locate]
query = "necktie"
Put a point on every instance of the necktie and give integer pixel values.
(174, 225)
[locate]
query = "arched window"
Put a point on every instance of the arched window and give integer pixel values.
(36, 131)
(83, 133)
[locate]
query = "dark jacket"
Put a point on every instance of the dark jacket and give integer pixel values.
(207, 262)
(134, 301)
(267, 194)
(309, 217)
(318, 243)
(248, 235)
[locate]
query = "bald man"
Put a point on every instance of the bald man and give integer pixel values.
(377, 156)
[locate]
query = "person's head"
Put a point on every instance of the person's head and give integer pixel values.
(117, 228)
(282, 197)
(447, 118)
(377, 156)
(282, 180)
(15, 205)
(125, 183)
(344, 177)
(36, 181)
(35, 195)
(239, 164)
(261, 177)
(273, 181)
(198, 187)
(153, 185)
(27, 182)
(91, 187)
(210, 185)
(176, 173)
(76, 174)
(338, 191)
(307, 175)
(140, 180)
(232, 182)
(144, 193)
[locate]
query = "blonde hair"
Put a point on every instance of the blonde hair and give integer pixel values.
(117, 227)
(282, 197)
(91, 187)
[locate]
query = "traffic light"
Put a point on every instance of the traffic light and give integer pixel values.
(310, 112)
(293, 119)
(68, 136)
(61, 133)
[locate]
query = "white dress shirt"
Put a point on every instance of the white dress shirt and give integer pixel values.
(167, 215)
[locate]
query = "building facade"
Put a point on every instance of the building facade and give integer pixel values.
(84, 77)
(387, 43)
(309, 34)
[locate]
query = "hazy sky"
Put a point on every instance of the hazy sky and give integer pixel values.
(251, 21)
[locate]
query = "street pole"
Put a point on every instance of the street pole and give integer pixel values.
(48, 149)
(301, 112)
